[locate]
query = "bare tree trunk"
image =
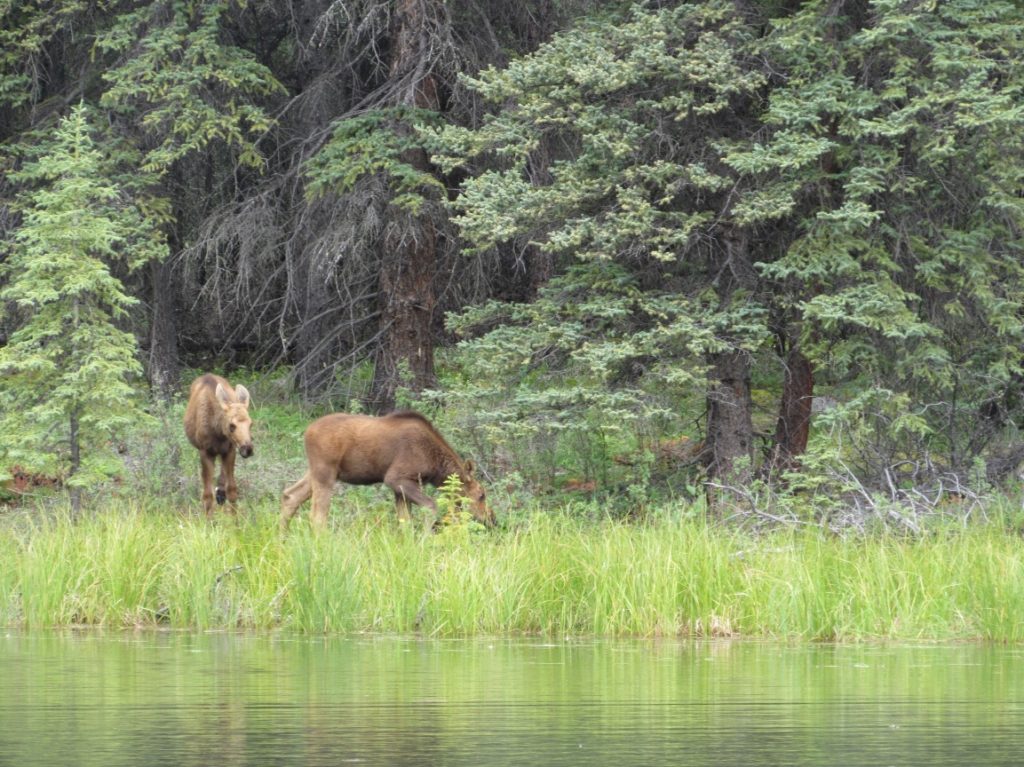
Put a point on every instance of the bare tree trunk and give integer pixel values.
(405, 357)
(314, 356)
(793, 427)
(76, 462)
(164, 368)
(408, 268)
(730, 425)
(730, 431)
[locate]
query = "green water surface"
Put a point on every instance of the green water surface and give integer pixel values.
(228, 699)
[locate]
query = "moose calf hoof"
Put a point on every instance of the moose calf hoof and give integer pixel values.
(221, 496)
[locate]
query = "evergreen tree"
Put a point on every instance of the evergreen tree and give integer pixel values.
(217, 108)
(891, 153)
(181, 90)
(66, 369)
(838, 184)
(604, 150)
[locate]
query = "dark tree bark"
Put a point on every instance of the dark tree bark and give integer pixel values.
(164, 367)
(405, 356)
(409, 264)
(315, 356)
(76, 462)
(730, 441)
(163, 364)
(730, 433)
(793, 427)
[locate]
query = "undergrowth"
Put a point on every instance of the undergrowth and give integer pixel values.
(548, 573)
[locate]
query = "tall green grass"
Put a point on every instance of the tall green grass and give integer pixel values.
(550, 575)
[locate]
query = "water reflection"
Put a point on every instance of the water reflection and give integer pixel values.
(174, 699)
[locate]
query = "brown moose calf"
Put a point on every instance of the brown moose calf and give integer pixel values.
(217, 424)
(403, 450)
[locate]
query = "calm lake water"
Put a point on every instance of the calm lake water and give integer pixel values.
(228, 699)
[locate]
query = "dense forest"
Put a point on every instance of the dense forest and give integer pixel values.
(774, 245)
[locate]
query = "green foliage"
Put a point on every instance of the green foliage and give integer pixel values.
(629, 185)
(856, 177)
(840, 180)
(601, 152)
(190, 86)
(911, 157)
(449, 499)
(378, 142)
(454, 520)
(27, 30)
(68, 364)
(589, 369)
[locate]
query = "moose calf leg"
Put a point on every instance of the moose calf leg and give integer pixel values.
(407, 490)
(322, 492)
(227, 481)
(206, 469)
(402, 507)
(292, 498)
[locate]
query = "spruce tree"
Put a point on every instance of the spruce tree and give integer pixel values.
(65, 373)
(826, 195)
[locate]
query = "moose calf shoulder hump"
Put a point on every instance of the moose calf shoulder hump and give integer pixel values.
(217, 424)
(403, 450)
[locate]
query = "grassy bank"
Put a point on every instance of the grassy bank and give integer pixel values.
(129, 567)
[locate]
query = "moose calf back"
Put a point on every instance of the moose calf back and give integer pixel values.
(360, 449)
(402, 450)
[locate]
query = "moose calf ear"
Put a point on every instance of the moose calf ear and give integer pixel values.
(243, 395)
(470, 468)
(222, 396)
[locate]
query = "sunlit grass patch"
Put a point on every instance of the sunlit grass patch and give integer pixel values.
(127, 566)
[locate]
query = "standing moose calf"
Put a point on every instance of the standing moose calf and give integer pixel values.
(217, 423)
(403, 450)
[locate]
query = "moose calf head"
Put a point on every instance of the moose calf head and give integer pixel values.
(237, 424)
(476, 497)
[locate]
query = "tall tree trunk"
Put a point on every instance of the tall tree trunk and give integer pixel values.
(164, 367)
(730, 432)
(314, 357)
(74, 442)
(730, 448)
(793, 427)
(76, 462)
(405, 356)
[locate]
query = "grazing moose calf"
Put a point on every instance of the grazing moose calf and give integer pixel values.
(402, 450)
(217, 423)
